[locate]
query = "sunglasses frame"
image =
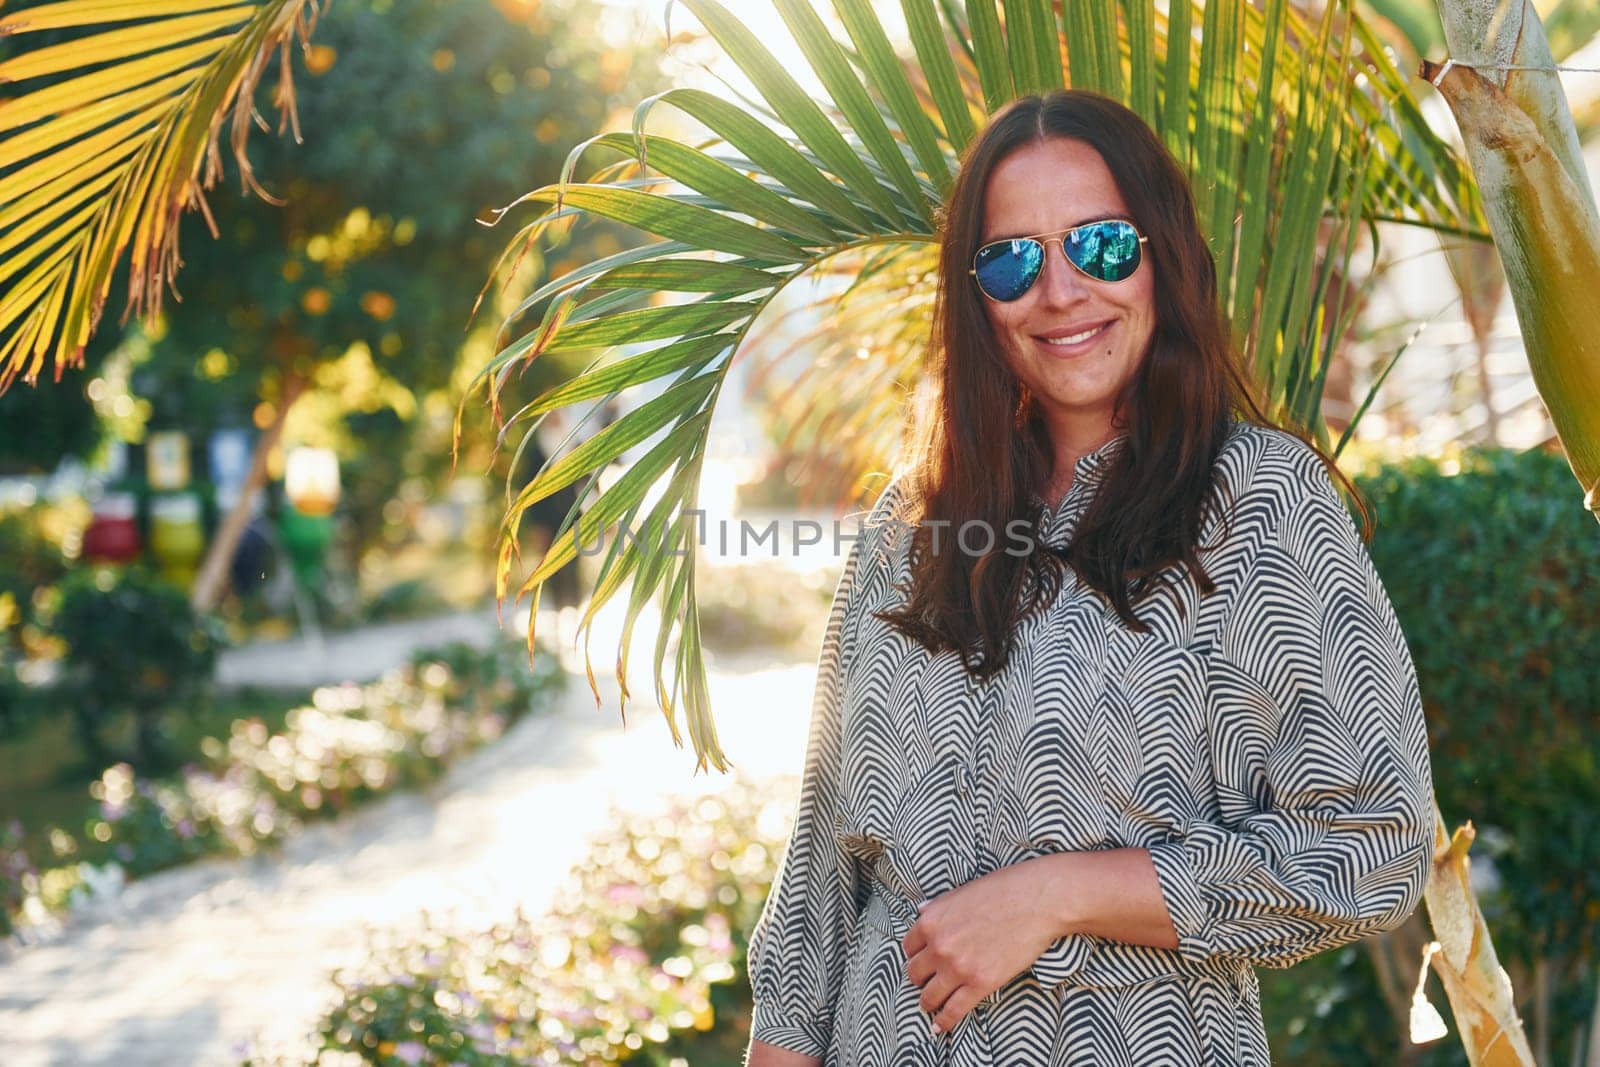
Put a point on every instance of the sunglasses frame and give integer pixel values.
(1044, 239)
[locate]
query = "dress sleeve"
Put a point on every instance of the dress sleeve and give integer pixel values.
(1319, 751)
(797, 949)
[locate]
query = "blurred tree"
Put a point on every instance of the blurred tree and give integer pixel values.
(38, 428)
(417, 116)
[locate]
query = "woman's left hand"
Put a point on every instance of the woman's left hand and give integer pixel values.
(972, 940)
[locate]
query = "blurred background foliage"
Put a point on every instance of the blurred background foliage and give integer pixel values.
(418, 118)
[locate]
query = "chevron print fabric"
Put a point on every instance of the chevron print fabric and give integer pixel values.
(1264, 743)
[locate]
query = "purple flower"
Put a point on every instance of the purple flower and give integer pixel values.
(408, 1052)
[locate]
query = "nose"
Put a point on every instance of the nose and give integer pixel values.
(1060, 282)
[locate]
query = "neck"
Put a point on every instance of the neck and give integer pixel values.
(1070, 442)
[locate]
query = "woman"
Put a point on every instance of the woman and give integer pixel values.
(1129, 711)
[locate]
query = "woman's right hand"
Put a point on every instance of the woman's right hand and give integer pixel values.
(765, 1055)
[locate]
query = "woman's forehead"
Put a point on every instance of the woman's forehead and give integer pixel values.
(1046, 186)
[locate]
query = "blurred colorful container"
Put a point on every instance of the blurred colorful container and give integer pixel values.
(177, 538)
(112, 535)
(167, 461)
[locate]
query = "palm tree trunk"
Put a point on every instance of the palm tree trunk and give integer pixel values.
(211, 581)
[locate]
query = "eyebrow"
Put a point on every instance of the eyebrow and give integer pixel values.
(1102, 217)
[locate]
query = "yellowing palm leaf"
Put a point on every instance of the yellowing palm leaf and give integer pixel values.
(108, 136)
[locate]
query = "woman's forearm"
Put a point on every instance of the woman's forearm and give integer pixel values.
(765, 1055)
(1111, 894)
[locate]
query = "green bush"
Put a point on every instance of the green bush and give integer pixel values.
(20, 705)
(31, 564)
(499, 674)
(15, 866)
(133, 644)
(1492, 570)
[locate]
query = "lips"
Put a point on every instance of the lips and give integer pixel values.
(1057, 350)
(1071, 331)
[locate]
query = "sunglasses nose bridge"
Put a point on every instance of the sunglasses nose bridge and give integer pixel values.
(1073, 272)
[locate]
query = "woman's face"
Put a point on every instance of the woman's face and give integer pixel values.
(1043, 187)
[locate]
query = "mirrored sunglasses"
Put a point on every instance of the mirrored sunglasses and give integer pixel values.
(1107, 251)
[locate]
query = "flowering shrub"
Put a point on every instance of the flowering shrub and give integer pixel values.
(350, 743)
(641, 959)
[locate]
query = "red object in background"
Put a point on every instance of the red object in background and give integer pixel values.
(112, 536)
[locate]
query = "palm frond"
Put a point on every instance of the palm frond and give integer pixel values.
(112, 135)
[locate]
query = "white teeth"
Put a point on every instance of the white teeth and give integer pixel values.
(1075, 338)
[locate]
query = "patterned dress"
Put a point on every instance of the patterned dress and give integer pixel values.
(1264, 743)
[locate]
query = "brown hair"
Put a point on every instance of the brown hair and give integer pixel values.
(985, 451)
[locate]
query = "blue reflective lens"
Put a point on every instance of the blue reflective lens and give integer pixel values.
(1007, 269)
(1108, 251)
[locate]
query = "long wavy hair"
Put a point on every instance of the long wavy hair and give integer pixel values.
(985, 451)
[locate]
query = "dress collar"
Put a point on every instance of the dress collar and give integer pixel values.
(1089, 469)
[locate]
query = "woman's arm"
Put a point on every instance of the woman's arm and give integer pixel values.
(1111, 894)
(796, 955)
(1325, 826)
(764, 1055)
(1323, 829)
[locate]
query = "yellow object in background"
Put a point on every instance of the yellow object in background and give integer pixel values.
(177, 539)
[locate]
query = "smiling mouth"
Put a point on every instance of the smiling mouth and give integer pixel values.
(1077, 340)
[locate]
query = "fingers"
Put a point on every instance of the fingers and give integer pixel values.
(961, 1001)
(920, 968)
(937, 993)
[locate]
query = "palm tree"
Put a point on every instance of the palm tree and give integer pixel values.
(1523, 148)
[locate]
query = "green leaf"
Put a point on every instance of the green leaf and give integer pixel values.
(989, 52)
(1141, 41)
(828, 60)
(765, 149)
(632, 429)
(667, 216)
(690, 353)
(1034, 44)
(651, 324)
(721, 183)
(689, 276)
(117, 44)
(944, 83)
(793, 107)
(888, 77)
(628, 490)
